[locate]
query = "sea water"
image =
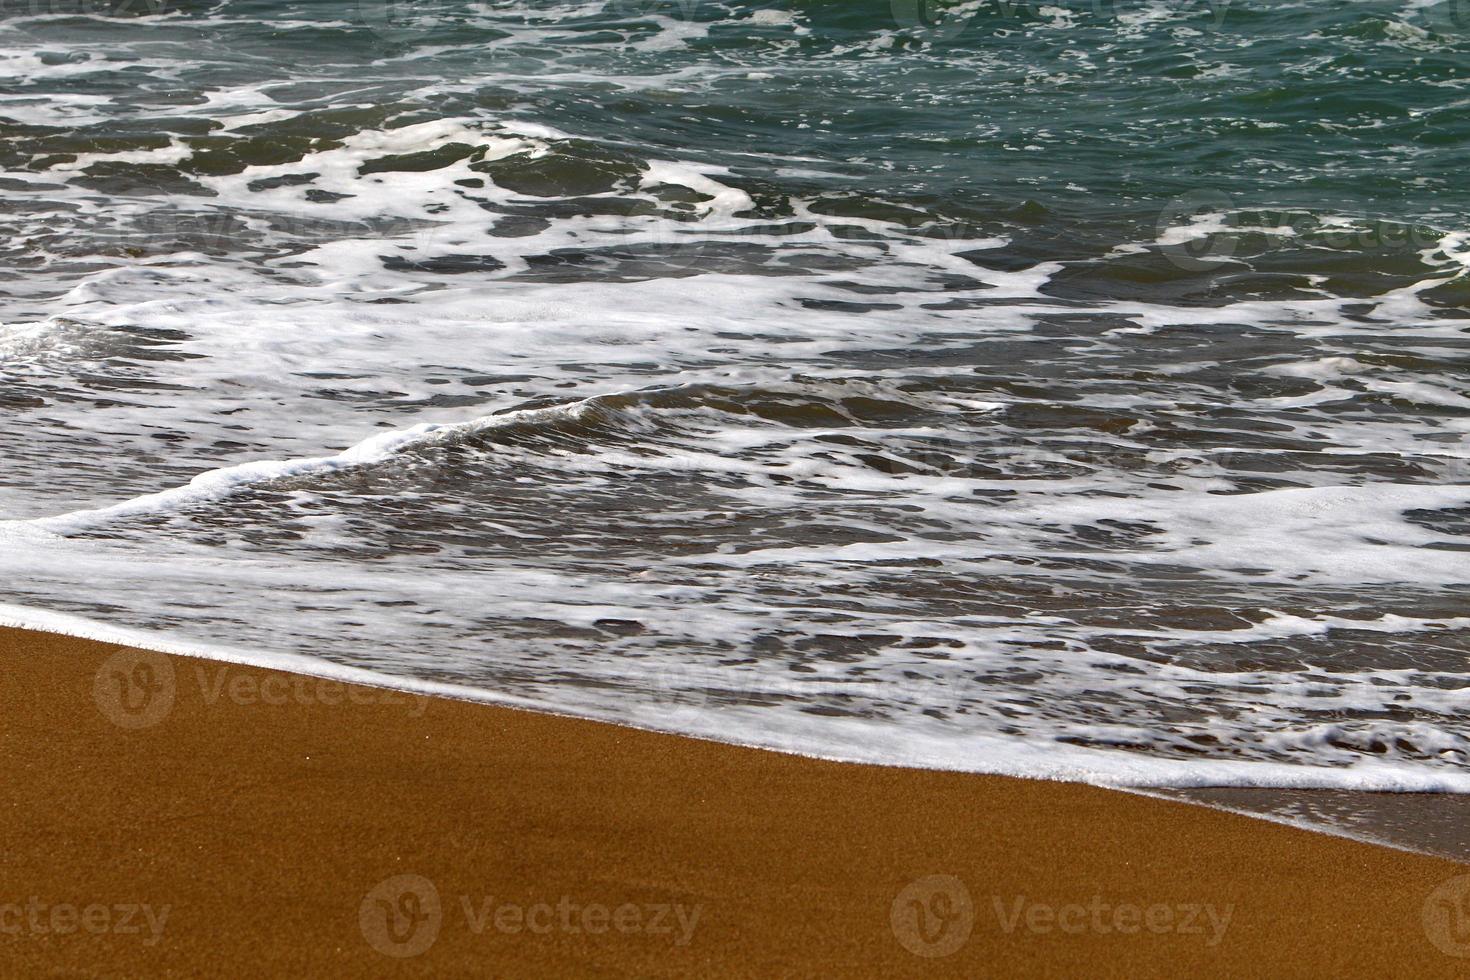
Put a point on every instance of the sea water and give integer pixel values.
(1069, 390)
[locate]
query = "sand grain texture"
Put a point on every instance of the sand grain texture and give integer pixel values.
(265, 828)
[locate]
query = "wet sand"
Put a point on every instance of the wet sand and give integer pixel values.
(166, 816)
(1430, 823)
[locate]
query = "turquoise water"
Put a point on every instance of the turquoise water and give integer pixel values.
(1071, 390)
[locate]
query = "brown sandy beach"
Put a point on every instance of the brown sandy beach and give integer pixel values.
(175, 817)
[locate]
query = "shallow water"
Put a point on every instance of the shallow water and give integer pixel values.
(1428, 823)
(1069, 390)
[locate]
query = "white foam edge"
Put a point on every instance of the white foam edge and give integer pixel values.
(66, 624)
(1109, 769)
(218, 483)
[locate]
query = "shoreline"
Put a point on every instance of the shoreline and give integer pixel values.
(1143, 774)
(166, 815)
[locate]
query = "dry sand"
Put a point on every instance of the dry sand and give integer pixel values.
(174, 817)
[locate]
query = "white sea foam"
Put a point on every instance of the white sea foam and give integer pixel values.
(215, 484)
(839, 740)
(725, 441)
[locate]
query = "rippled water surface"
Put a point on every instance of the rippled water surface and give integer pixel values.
(1072, 390)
